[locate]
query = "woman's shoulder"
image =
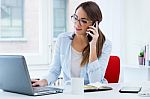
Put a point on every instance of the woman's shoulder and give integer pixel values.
(64, 39)
(107, 42)
(65, 35)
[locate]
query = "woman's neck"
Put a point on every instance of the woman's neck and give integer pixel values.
(79, 42)
(81, 38)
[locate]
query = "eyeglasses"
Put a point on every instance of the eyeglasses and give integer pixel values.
(82, 21)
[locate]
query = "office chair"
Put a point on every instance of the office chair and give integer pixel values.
(113, 70)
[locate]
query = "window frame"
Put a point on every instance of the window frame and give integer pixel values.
(43, 56)
(65, 16)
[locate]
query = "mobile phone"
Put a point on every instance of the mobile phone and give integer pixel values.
(89, 36)
(130, 89)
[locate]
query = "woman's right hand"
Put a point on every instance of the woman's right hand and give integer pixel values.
(40, 83)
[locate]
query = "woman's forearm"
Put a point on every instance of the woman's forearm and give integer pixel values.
(93, 54)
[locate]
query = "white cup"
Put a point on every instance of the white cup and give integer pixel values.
(74, 86)
(77, 85)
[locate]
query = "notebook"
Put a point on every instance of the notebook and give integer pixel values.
(96, 87)
(14, 77)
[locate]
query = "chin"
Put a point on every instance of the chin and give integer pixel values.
(79, 33)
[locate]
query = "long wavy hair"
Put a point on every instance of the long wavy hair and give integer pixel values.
(94, 14)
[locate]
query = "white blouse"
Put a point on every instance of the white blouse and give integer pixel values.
(76, 58)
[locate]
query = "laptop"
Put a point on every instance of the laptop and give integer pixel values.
(14, 77)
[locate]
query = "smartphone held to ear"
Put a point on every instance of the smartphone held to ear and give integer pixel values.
(89, 36)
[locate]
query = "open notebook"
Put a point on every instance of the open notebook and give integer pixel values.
(96, 87)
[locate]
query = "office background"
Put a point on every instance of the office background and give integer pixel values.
(33, 30)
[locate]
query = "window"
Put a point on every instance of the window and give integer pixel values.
(11, 16)
(35, 46)
(59, 15)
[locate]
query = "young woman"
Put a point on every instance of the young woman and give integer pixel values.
(82, 53)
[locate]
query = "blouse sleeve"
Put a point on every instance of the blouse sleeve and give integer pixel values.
(55, 66)
(96, 69)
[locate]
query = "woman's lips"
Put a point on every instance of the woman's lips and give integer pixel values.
(78, 29)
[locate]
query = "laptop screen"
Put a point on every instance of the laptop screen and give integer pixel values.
(14, 74)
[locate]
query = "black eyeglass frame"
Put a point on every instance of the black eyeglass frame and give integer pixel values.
(82, 21)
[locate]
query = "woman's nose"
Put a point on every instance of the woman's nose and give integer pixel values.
(77, 23)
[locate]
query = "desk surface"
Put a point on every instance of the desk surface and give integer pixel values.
(91, 95)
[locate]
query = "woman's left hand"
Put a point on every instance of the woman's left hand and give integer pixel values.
(94, 33)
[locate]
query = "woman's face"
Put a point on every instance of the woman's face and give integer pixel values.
(81, 21)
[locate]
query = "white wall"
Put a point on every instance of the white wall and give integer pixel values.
(111, 24)
(136, 28)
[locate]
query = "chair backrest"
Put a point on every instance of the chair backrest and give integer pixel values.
(113, 70)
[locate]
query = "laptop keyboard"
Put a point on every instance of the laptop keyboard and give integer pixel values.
(47, 89)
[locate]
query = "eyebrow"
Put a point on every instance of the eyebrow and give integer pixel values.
(82, 18)
(85, 18)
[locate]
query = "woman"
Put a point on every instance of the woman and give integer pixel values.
(83, 53)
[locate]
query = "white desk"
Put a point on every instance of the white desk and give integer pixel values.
(113, 94)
